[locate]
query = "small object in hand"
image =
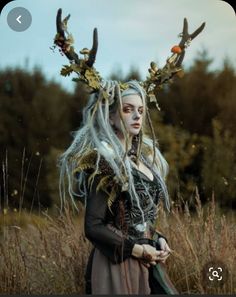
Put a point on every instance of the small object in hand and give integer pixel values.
(145, 255)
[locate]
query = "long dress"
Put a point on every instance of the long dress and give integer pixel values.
(113, 232)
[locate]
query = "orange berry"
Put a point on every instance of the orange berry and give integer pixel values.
(176, 49)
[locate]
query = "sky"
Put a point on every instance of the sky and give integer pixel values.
(131, 33)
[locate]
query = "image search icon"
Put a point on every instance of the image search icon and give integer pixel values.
(19, 19)
(215, 274)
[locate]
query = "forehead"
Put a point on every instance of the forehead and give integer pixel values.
(133, 99)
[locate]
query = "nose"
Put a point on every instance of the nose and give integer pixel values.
(136, 114)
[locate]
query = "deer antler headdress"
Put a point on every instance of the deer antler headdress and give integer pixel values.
(88, 74)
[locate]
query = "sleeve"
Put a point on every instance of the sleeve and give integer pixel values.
(159, 235)
(113, 246)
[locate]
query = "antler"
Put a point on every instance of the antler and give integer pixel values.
(83, 67)
(173, 64)
(186, 39)
(65, 43)
(87, 73)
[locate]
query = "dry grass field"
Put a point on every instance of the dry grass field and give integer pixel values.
(47, 255)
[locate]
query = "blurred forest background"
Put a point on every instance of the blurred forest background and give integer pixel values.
(195, 129)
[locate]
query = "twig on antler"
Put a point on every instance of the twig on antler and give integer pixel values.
(157, 76)
(186, 40)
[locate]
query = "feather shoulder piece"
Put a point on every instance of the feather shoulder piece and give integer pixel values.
(98, 169)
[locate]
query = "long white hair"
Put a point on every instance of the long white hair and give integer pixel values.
(97, 133)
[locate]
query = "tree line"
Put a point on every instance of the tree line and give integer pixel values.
(195, 130)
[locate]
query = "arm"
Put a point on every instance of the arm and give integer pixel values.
(112, 245)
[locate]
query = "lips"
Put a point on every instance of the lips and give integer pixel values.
(136, 125)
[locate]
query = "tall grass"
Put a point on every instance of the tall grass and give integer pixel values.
(197, 239)
(42, 255)
(45, 255)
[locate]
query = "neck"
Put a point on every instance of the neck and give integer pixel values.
(132, 151)
(122, 140)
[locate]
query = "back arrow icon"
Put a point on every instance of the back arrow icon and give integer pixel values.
(18, 19)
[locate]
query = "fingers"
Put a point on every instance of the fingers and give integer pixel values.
(153, 256)
(155, 261)
(164, 254)
(159, 255)
(165, 257)
(159, 259)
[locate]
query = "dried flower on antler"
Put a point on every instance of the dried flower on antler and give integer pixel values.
(82, 66)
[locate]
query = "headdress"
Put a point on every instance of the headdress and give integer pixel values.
(88, 141)
(83, 66)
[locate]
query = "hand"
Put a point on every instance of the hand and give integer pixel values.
(151, 255)
(165, 248)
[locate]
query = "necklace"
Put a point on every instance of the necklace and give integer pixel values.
(132, 153)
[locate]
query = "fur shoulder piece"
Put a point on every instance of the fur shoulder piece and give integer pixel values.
(104, 175)
(86, 162)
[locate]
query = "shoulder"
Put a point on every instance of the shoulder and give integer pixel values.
(94, 167)
(98, 173)
(91, 161)
(103, 165)
(86, 162)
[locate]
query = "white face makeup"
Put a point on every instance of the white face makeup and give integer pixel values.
(132, 114)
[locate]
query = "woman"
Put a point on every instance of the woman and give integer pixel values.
(120, 174)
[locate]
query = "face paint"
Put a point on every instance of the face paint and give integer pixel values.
(132, 114)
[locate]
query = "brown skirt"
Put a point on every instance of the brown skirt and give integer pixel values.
(128, 277)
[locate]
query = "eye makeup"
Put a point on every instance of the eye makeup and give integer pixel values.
(129, 108)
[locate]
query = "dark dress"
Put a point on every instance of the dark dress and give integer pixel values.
(113, 232)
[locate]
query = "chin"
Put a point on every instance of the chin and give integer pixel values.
(133, 132)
